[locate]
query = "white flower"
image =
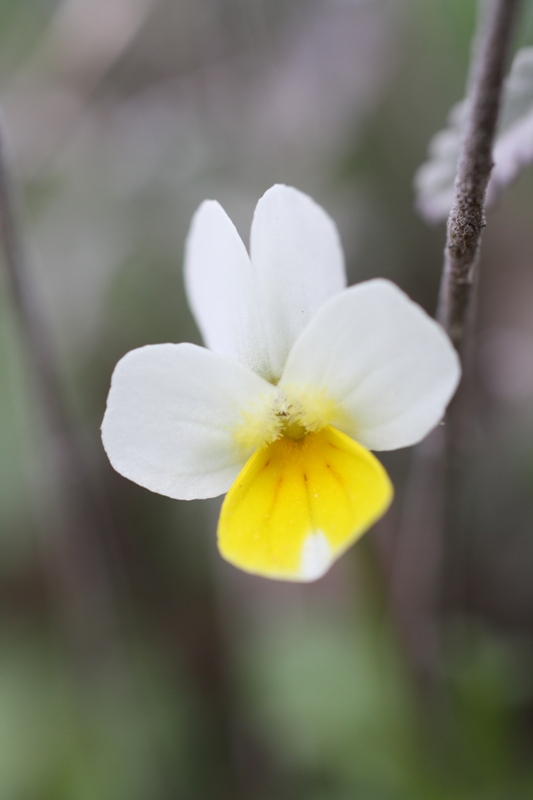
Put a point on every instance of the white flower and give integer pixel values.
(303, 377)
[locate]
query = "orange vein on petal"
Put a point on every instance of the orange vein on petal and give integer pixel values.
(297, 505)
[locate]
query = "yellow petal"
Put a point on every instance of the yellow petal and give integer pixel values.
(299, 504)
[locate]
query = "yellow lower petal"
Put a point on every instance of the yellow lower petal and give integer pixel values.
(299, 504)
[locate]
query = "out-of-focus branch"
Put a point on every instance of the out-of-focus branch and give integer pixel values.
(29, 313)
(467, 216)
(417, 557)
(80, 564)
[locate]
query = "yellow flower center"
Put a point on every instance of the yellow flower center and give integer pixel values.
(295, 412)
(306, 492)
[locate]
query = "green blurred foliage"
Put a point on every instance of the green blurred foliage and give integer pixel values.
(60, 739)
(333, 702)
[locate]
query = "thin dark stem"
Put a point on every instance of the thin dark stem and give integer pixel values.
(467, 216)
(29, 313)
(420, 549)
(80, 565)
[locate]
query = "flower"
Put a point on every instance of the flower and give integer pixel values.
(302, 378)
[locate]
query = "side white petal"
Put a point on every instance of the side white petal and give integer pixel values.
(219, 285)
(298, 264)
(388, 365)
(170, 416)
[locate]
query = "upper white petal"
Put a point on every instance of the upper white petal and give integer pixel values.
(298, 265)
(170, 416)
(219, 285)
(383, 359)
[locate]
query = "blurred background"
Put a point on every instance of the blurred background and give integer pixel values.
(134, 663)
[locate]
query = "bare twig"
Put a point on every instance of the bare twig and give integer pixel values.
(467, 216)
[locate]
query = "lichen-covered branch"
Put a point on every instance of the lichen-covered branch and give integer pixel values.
(467, 216)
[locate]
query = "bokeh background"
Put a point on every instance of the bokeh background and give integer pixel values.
(134, 663)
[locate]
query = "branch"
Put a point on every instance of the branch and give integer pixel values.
(28, 310)
(467, 216)
(81, 569)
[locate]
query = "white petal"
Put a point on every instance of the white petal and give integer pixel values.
(218, 280)
(170, 415)
(298, 265)
(317, 556)
(390, 367)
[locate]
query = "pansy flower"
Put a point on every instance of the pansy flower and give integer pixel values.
(302, 379)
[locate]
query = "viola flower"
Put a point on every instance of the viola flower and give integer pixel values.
(302, 378)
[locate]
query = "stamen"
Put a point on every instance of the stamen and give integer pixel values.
(295, 412)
